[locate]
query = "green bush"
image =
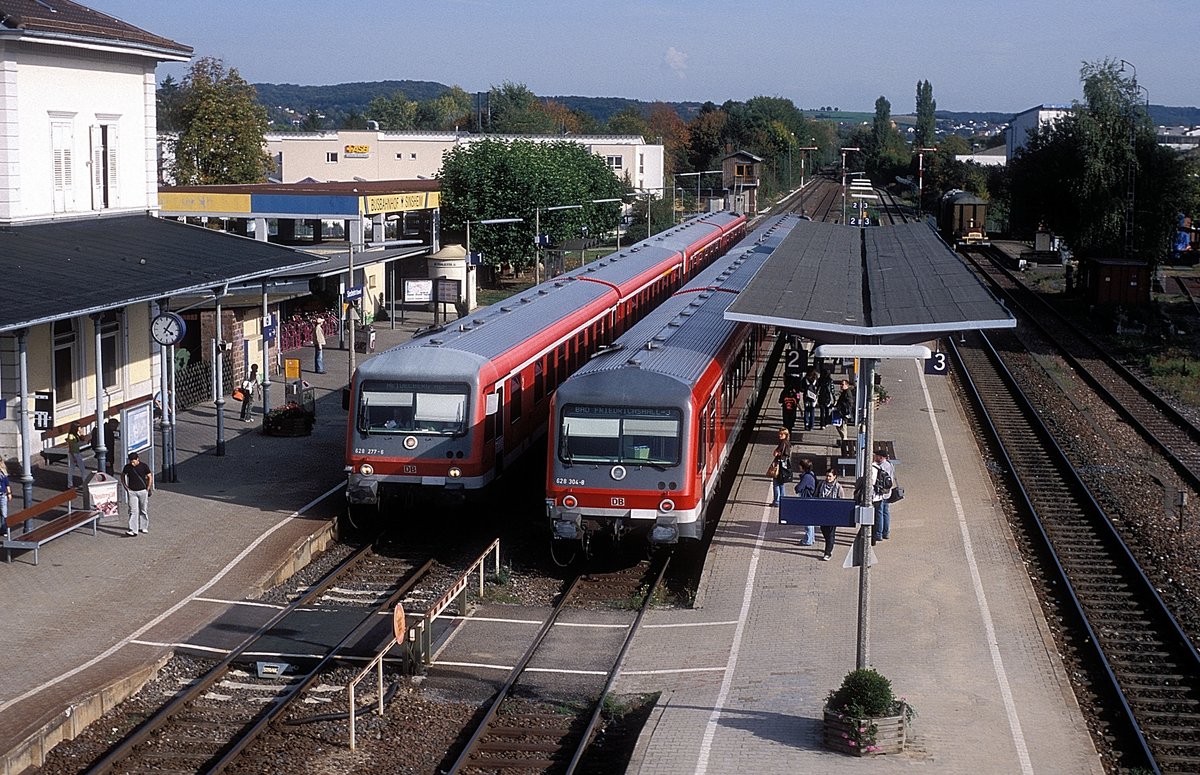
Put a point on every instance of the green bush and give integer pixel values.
(863, 694)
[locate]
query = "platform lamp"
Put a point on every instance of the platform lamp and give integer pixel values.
(471, 261)
(803, 156)
(921, 176)
(845, 150)
(538, 240)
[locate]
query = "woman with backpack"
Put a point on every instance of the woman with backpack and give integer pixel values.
(807, 488)
(781, 465)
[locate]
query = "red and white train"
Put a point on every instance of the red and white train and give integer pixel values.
(446, 412)
(640, 435)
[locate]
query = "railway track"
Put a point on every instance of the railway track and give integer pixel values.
(208, 726)
(1159, 423)
(519, 734)
(1148, 672)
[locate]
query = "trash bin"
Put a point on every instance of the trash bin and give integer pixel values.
(102, 493)
(364, 340)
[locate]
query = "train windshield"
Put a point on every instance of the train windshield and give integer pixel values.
(611, 435)
(431, 408)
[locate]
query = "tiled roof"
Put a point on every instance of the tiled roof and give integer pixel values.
(63, 18)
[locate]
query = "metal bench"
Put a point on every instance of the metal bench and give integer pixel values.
(58, 526)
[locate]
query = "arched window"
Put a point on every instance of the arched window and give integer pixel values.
(66, 360)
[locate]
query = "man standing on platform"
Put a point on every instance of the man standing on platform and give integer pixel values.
(883, 479)
(138, 480)
(319, 345)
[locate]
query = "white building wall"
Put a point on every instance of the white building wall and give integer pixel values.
(84, 89)
(1030, 120)
(371, 155)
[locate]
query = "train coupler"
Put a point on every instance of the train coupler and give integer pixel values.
(566, 528)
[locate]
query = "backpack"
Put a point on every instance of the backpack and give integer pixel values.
(883, 481)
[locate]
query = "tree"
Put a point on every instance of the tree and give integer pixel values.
(313, 122)
(516, 111)
(500, 179)
(394, 113)
(448, 111)
(1074, 175)
(629, 121)
(167, 105)
(924, 133)
(221, 128)
(887, 153)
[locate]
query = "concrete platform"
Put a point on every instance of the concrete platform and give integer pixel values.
(92, 622)
(954, 624)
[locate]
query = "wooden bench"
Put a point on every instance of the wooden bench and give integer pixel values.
(73, 519)
(59, 454)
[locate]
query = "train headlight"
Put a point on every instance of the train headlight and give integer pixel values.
(570, 501)
(366, 469)
(454, 472)
(666, 505)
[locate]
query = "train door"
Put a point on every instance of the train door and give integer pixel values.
(497, 419)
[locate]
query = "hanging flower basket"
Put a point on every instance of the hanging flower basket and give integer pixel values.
(863, 718)
(288, 420)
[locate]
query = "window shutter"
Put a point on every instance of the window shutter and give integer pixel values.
(60, 139)
(97, 164)
(111, 146)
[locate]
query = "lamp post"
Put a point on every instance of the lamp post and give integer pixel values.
(803, 157)
(466, 291)
(537, 235)
(921, 176)
(845, 150)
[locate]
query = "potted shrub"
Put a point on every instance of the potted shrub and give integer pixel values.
(864, 718)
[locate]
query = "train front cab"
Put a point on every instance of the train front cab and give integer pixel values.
(622, 469)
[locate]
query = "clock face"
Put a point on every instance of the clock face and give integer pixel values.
(167, 328)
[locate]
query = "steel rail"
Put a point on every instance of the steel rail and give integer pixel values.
(1134, 412)
(1079, 538)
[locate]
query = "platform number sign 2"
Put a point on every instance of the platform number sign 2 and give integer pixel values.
(937, 363)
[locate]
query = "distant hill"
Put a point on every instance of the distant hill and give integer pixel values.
(285, 101)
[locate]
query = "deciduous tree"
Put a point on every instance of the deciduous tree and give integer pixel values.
(499, 179)
(924, 132)
(221, 128)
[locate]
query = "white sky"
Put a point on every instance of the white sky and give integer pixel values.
(979, 55)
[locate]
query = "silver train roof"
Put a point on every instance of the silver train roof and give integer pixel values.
(840, 284)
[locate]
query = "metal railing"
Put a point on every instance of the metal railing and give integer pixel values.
(419, 636)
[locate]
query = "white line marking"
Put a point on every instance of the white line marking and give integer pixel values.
(1010, 708)
(485, 666)
(173, 609)
(533, 621)
(689, 624)
(711, 729)
(670, 671)
(276, 606)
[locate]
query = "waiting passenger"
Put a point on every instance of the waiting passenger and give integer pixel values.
(807, 488)
(830, 487)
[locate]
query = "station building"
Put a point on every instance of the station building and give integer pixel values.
(87, 265)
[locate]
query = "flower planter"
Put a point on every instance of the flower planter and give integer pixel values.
(291, 419)
(866, 736)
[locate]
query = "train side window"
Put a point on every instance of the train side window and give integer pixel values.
(514, 399)
(490, 421)
(711, 411)
(562, 363)
(539, 381)
(702, 442)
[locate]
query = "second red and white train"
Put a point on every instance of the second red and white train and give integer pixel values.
(640, 435)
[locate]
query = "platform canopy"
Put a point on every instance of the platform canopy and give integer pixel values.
(840, 284)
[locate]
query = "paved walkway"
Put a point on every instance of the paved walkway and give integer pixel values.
(954, 624)
(100, 613)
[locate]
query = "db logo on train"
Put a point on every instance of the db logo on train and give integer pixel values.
(618, 501)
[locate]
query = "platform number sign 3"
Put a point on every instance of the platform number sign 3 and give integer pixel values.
(937, 364)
